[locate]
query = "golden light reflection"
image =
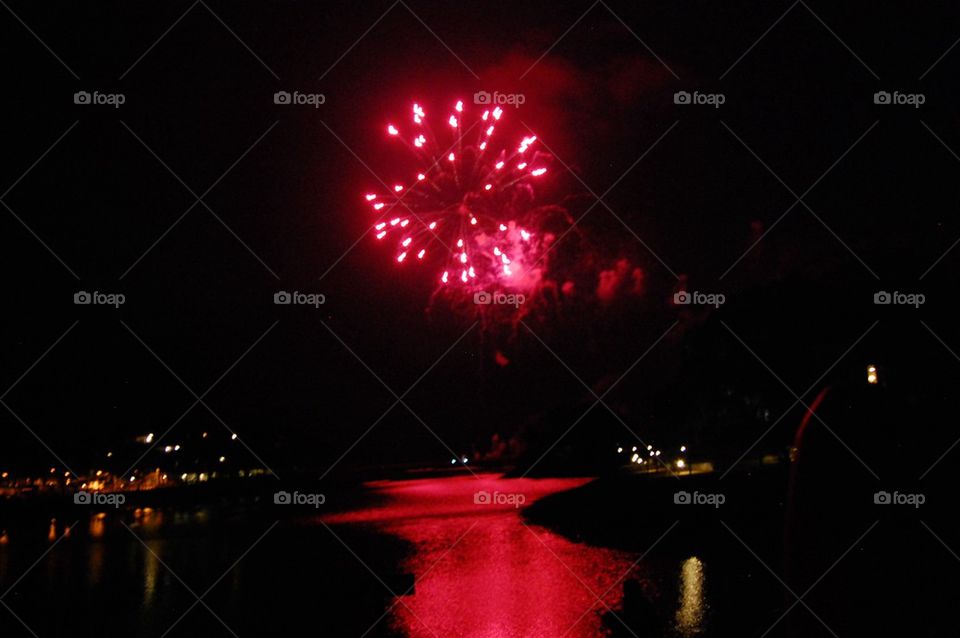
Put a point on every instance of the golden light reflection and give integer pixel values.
(4, 556)
(98, 525)
(151, 573)
(151, 519)
(95, 562)
(693, 605)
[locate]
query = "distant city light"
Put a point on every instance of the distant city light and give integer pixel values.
(683, 448)
(222, 459)
(633, 459)
(233, 437)
(619, 450)
(681, 464)
(872, 375)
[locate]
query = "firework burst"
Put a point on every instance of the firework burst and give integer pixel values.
(469, 209)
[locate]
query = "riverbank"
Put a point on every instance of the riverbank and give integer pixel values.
(621, 510)
(693, 577)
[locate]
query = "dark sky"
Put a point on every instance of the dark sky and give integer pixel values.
(283, 205)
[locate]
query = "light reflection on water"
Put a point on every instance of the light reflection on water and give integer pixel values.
(121, 583)
(690, 615)
(97, 526)
(481, 571)
(95, 560)
(151, 572)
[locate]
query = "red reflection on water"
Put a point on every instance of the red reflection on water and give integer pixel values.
(480, 571)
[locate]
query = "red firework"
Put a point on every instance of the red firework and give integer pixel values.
(469, 208)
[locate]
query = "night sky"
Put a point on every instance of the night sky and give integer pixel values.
(102, 198)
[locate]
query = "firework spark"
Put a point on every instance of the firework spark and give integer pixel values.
(468, 209)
